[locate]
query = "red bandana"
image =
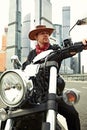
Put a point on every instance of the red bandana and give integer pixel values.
(41, 49)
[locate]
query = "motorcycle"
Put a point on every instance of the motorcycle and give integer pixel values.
(28, 102)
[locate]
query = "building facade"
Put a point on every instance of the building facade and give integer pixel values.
(58, 34)
(66, 64)
(43, 12)
(3, 51)
(14, 32)
(25, 42)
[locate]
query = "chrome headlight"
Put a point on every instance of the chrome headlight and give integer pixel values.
(13, 88)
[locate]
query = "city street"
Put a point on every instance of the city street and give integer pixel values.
(82, 105)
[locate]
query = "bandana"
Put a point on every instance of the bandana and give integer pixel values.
(41, 49)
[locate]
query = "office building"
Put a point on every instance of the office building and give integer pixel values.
(58, 34)
(66, 27)
(43, 12)
(25, 42)
(3, 51)
(14, 32)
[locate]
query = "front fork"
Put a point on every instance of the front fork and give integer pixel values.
(51, 113)
(7, 126)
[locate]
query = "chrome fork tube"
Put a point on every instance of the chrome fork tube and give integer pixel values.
(51, 114)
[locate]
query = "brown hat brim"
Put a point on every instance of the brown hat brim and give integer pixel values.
(33, 33)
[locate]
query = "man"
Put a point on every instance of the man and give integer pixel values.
(41, 35)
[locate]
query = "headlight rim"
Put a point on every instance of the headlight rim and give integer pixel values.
(18, 72)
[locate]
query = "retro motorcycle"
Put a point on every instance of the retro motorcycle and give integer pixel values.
(31, 97)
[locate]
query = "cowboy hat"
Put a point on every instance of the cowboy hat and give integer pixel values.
(38, 29)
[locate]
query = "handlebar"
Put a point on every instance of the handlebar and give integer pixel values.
(76, 47)
(69, 49)
(65, 52)
(58, 54)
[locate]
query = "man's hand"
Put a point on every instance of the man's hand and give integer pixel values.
(85, 44)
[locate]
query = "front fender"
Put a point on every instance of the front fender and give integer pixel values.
(62, 122)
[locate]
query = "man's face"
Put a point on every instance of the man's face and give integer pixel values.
(42, 37)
